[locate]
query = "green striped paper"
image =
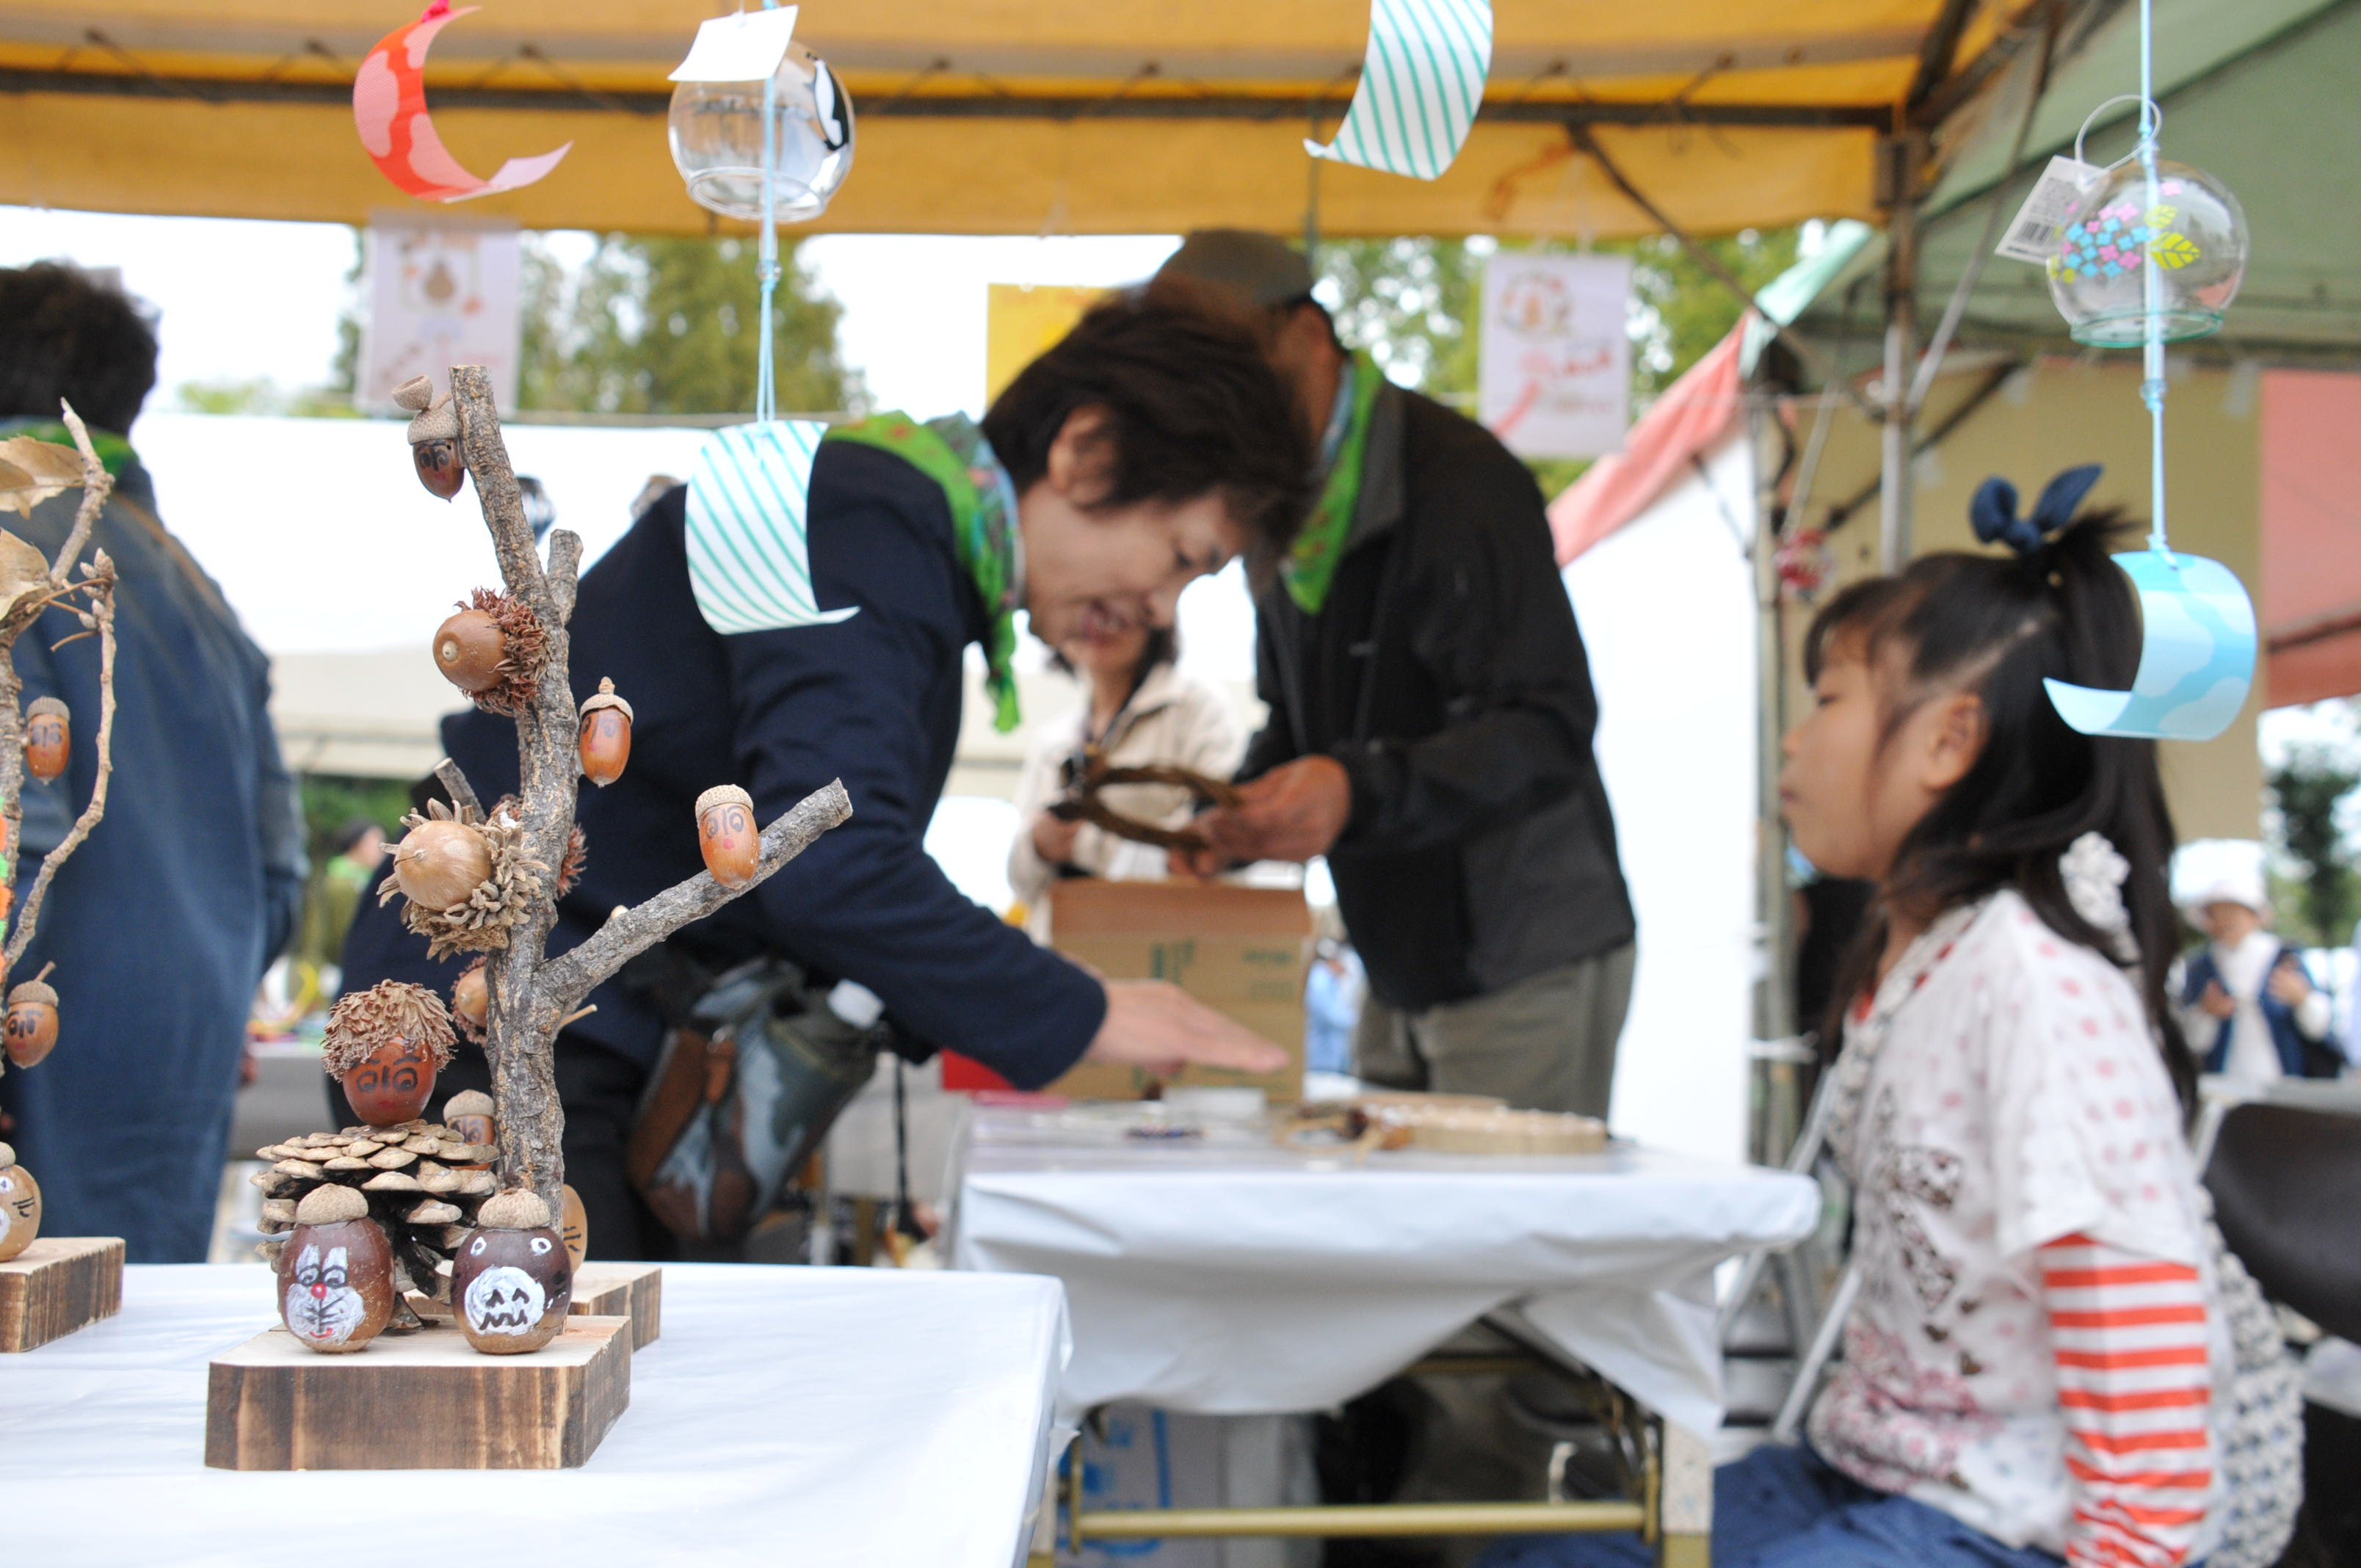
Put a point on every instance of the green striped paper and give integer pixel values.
(749, 561)
(1419, 87)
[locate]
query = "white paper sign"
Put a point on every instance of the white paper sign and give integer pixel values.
(1556, 357)
(441, 293)
(746, 46)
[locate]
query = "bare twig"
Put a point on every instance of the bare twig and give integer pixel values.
(570, 977)
(102, 609)
(97, 484)
(463, 794)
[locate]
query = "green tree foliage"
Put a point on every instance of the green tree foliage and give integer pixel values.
(2307, 788)
(669, 327)
(1412, 304)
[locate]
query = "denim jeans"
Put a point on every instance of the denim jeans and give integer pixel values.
(1782, 1508)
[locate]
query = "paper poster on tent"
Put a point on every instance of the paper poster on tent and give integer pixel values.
(441, 293)
(1555, 378)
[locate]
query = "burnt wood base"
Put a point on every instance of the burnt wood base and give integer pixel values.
(424, 1401)
(58, 1285)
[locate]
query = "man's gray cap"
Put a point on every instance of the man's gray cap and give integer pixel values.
(1260, 268)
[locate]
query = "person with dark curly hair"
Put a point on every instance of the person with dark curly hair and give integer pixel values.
(163, 922)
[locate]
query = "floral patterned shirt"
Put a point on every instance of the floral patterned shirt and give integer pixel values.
(2001, 1092)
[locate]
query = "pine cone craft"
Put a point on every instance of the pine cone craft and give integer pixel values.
(478, 921)
(405, 1174)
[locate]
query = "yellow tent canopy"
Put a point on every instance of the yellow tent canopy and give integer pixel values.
(1014, 117)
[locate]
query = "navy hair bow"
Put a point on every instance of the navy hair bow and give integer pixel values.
(1994, 512)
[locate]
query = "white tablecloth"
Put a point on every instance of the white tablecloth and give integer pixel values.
(1226, 1276)
(811, 1416)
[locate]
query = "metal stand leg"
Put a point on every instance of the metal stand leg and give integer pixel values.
(1684, 1498)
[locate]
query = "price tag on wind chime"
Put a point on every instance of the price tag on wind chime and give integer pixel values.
(760, 130)
(2145, 253)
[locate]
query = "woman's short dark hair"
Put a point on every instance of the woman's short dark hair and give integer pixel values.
(1193, 409)
(65, 337)
(1997, 626)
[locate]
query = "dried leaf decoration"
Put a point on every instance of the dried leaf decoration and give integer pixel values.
(32, 471)
(23, 569)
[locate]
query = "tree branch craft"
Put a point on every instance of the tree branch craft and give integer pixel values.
(1080, 803)
(34, 740)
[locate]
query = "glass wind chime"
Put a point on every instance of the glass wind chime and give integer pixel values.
(761, 130)
(2152, 252)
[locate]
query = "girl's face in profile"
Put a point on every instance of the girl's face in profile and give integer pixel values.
(1856, 782)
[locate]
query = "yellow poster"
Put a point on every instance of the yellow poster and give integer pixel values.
(1023, 320)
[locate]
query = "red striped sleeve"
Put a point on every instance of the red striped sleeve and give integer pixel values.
(2127, 1334)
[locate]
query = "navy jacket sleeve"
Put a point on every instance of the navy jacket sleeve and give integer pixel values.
(1488, 619)
(814, 703)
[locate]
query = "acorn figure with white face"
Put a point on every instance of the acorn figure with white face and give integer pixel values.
(20, 1206)
(47, 721)
(513, 1283)
(336, 1273)
(725, 834)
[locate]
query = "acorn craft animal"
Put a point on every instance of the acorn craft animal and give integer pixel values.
(434, 437)
(336, 1276)
(467, 881)
(385, 1046)
(20, 1206)
(726, 836)
(605, 742)
(512, 1282)
(47, 737)
(31, 1027)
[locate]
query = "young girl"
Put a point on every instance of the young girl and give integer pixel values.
(2030, 1367)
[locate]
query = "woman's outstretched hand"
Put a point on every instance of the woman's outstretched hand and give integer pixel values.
(1155, 1025)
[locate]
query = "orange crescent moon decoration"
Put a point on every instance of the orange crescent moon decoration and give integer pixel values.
(390, 112)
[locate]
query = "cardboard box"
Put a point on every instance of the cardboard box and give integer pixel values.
(1240, 950)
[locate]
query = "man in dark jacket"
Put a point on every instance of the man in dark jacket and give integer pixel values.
(163, 923)
(1430, 732)
(1129, 460)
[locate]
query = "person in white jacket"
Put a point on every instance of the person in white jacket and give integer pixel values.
(1141, 711)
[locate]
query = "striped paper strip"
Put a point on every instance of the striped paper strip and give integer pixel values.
(749, 562)
(1418, 88)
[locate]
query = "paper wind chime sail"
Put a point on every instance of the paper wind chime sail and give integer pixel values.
(2150, 252)
(1421, 83)
(390, 112)
(749, 550)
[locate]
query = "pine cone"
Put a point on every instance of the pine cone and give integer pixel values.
(501, 900)
(527, 650)
(424, 1207)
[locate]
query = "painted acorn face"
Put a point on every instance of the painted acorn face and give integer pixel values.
(513, 1289)
(476, 1130)
(45, 745)
(20, 1210)
(336, 1285)
(392, 1084)
(30, 1030)
(606, 745)
(726, 835)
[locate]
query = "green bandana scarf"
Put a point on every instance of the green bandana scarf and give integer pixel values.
(952, 453)
(1321, 545)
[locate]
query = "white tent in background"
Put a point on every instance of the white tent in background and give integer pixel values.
(1657, 548)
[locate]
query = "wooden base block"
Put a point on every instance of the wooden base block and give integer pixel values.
(58, 1285)
(633, 1290)
(424, 1401)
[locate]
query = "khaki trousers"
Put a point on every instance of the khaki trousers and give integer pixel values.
(1544, 1044)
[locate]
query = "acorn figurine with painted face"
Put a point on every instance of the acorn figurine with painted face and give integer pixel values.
(20, 1206)
(606, 740)
(385, 1045)
(434, 437)
(336, 1273)
(32, 1023)
(513, 1283)
(47, 724)
(725, 834)
(469, 1114)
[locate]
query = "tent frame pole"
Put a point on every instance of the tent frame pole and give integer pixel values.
(1899, 158)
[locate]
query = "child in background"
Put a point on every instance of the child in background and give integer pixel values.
(2248, 1004)
(2029, 1367)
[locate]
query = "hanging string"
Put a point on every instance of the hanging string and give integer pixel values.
(766, 269)
(2152, 285)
